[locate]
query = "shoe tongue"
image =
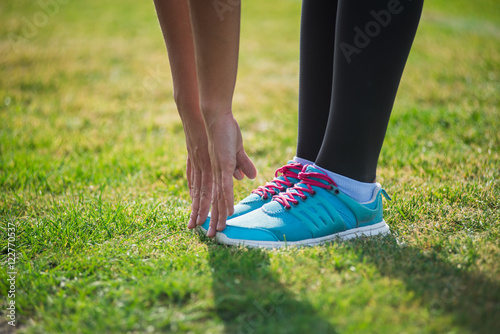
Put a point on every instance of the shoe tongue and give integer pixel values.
(312, 169)
(293, 179)
(275, 205)
(253, 197)
(298, 169)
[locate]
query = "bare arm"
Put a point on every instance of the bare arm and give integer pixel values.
(211, 61)
(217, 44)
(176, 27)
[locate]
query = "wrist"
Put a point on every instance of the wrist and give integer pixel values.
(191, 117)
(214, 117)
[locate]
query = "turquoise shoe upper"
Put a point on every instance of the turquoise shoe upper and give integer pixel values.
(285, 177)
(313, 208)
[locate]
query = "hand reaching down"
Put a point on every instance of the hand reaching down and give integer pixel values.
(228, 159)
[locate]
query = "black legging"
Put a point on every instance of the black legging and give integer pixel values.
(352, 56)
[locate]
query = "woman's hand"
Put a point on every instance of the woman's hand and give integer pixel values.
(198, 172)
(228, 159)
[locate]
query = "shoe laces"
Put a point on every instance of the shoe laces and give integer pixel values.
(278, 185)
(308, 181)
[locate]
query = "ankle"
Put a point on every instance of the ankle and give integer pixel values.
(357, 190)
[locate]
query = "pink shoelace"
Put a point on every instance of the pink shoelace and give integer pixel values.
(277, 185)
(306, 179)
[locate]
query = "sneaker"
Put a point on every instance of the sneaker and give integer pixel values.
(285, 177)
(314, 211)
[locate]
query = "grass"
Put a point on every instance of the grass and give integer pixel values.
(92, 175)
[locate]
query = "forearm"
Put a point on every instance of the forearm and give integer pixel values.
(175, 23)
(217, 43)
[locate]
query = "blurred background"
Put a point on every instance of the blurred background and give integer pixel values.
(91, 80)
(92, 161)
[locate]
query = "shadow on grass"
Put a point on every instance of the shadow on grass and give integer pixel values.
(471, 299)
(250, 299)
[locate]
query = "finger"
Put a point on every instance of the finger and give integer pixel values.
(238, 174)
(214, 217)
(192, 180)
(195, 205)
(188, 174)
(227, 200)
(221, 224)
(245, 164)
(205, 197)
(228, 192)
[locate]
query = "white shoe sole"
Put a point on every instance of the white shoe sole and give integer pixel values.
(367, 231)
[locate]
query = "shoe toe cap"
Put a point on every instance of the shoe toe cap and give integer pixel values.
(239, 210)
(245, 233)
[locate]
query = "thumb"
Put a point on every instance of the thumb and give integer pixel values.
(238, 174)
(246, 165)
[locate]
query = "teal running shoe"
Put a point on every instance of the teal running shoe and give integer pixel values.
(314, 211)
(285, 177)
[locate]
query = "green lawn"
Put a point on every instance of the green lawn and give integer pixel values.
(92, 162)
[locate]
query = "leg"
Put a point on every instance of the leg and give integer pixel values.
(372, 43)
(317, 33)
(174, 19)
